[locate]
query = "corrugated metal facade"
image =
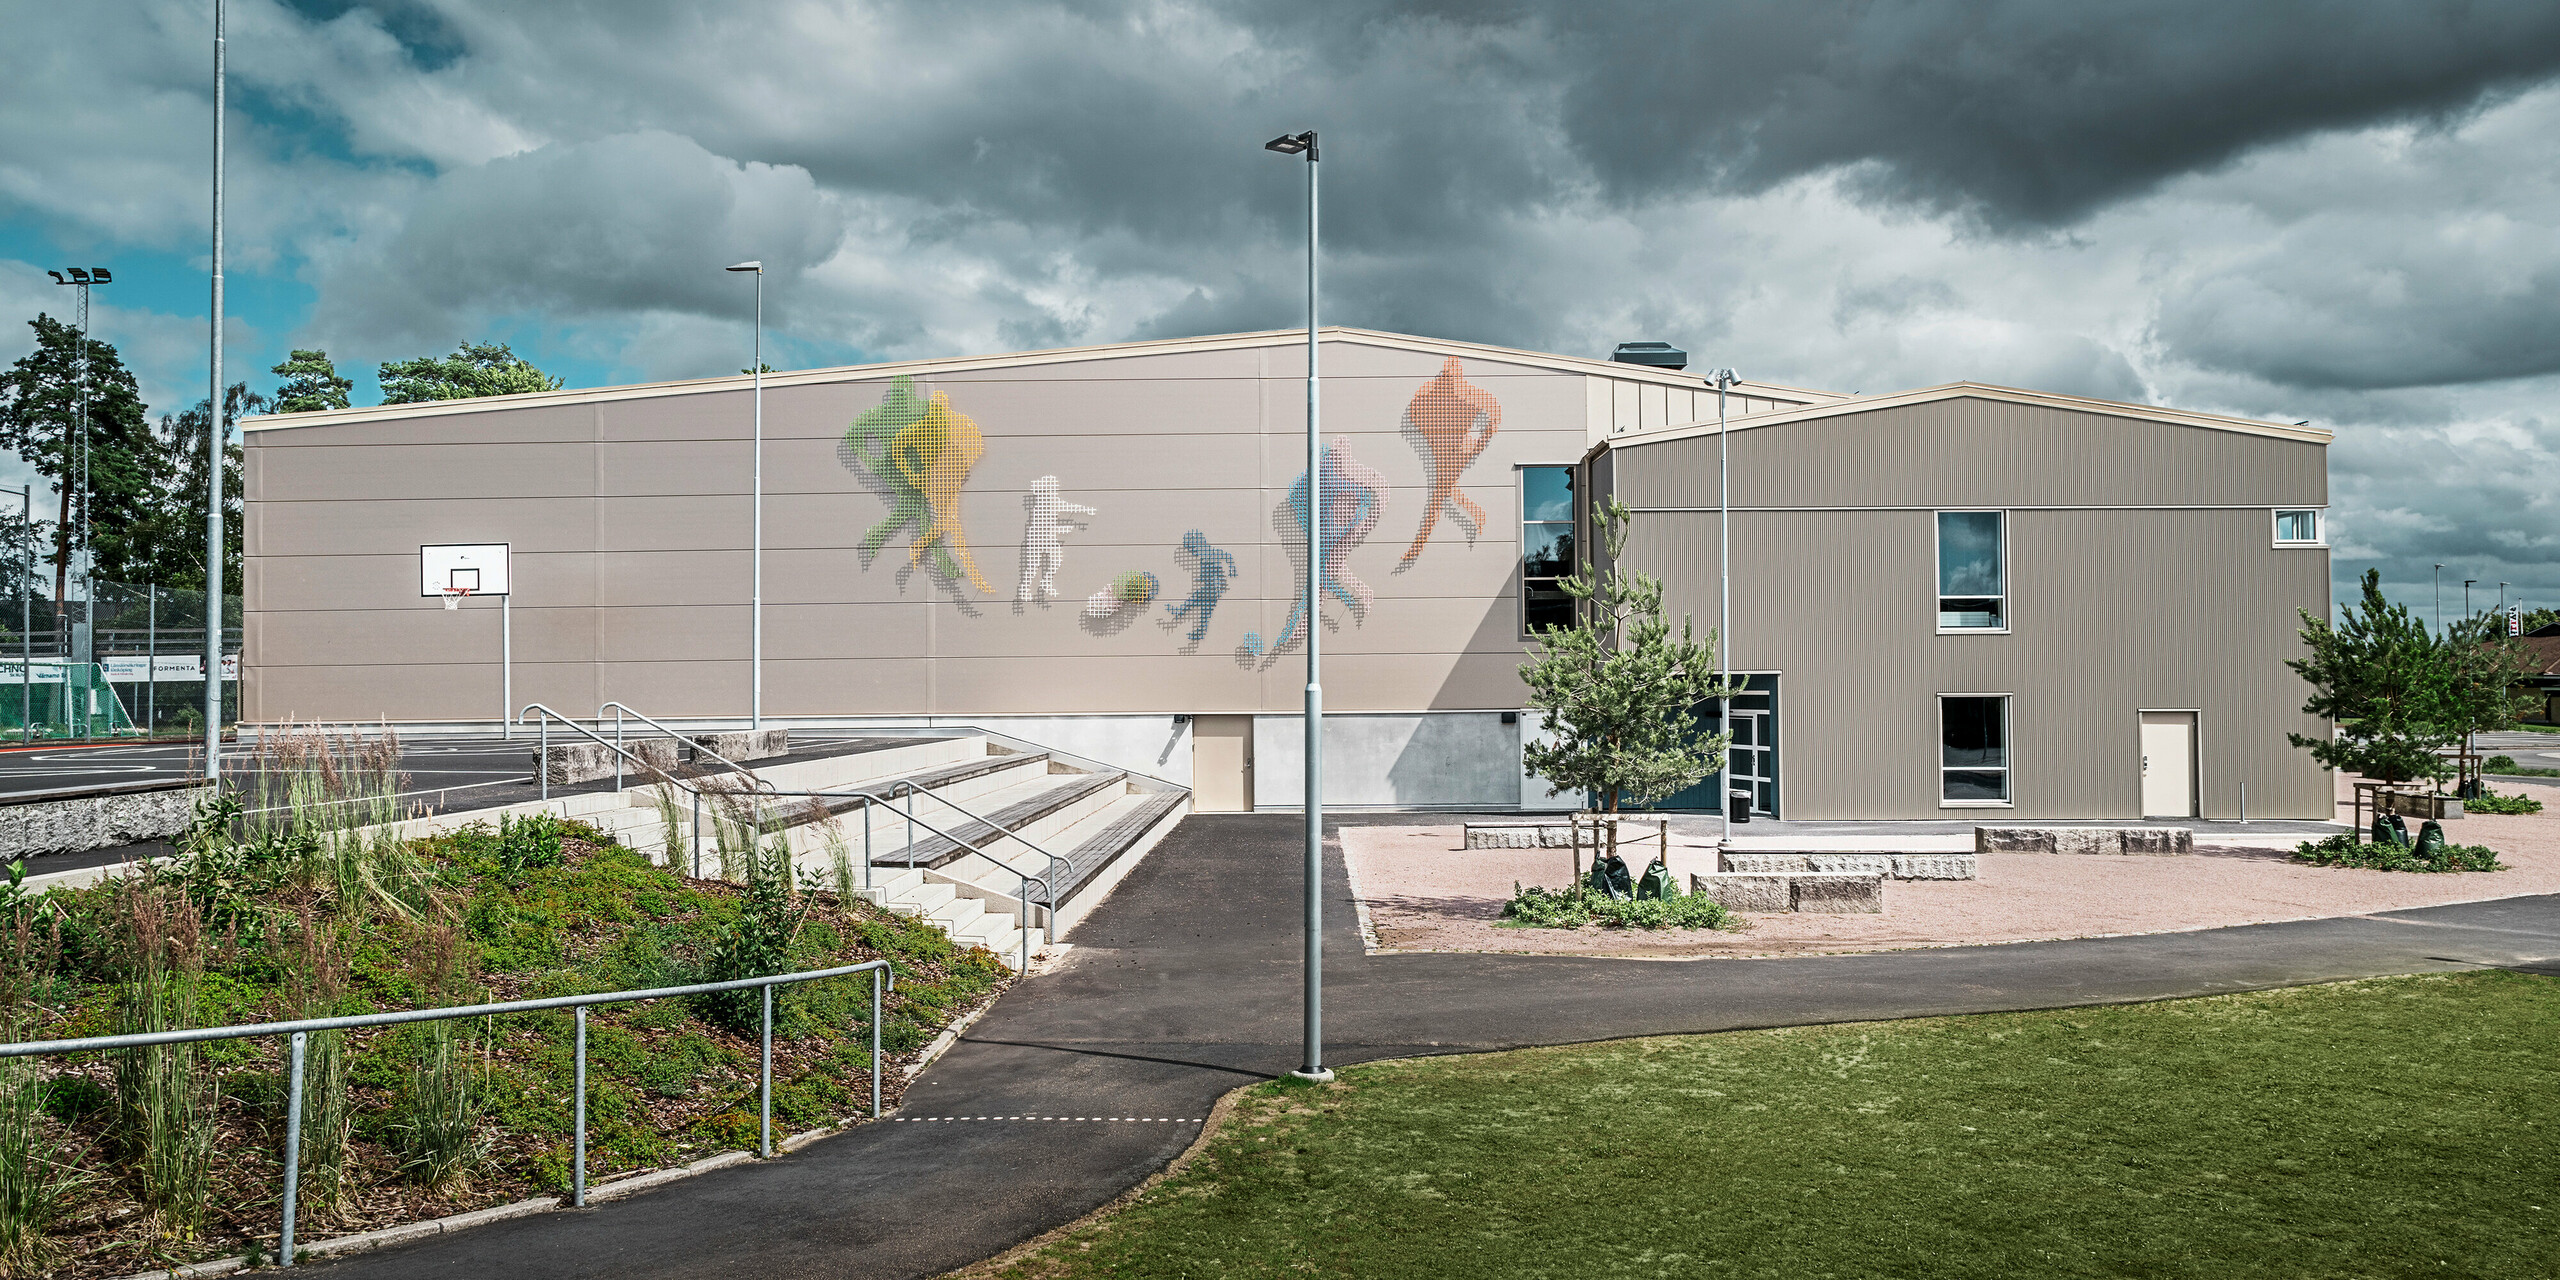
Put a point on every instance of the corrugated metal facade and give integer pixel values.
(2164, 592)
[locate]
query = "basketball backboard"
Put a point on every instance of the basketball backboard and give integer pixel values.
(477, 567)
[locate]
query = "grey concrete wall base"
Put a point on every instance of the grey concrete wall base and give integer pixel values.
(1825, 892)
(2145, 841)
(747, 744)
(1898, 866)
(94, 822)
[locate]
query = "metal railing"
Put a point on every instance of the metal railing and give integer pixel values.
(760, 790)
(620, 710)
(883, 980)
(1022, 894)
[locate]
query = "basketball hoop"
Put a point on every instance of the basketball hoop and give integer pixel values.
(454, 596)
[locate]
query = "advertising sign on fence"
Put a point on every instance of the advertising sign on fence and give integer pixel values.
(127, 669)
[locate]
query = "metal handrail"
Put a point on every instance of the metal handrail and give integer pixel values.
(619, 710)
(883, 980)
(542, 769)
(761, 789)
(1048, 915)
(1035, 846)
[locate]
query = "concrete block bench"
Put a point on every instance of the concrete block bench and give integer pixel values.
(1829, 892)
(2140, 841)
(745, 745)
(1556, 834)
(1895, 866)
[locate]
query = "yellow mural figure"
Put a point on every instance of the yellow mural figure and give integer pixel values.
(1449, 422)
(932, 456)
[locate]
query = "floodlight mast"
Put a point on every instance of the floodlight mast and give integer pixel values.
(755, 572)
(213, 452)
(75, 487)
(1312, 1068)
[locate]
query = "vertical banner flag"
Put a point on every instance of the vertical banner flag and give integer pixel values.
(2515, 619)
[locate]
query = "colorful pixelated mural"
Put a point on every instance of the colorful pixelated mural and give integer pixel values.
(1352, 494)
(919, 452)
(1212, 572)
(1449, 422)
(1042, 554)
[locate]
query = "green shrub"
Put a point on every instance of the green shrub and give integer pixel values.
(2491, 802)
(1537, 908)
(755, 945)
(2498, 764)
(2344, 850)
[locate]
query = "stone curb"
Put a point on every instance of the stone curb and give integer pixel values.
(640, 1182)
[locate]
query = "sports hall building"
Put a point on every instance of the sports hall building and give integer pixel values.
(1948, 600)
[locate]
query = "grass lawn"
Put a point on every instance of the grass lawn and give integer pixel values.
(2401, 1126)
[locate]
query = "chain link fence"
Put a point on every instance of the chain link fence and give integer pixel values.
(125, 661)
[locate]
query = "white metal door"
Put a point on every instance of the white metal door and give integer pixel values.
(2168, 764)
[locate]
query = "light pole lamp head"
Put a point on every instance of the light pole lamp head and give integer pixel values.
(98, 275)
(79, 276)
(1723, 378)
(757, 267)
(57, 277)
(1290, 144)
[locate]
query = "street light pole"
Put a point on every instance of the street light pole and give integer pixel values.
(755, 589)
(1724, 378)
(2466, 598)
(213, 450)
(76, 470)
(1313, 1067)
(2439, 599)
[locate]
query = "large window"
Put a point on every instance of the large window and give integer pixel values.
(1973, 591)
(1546, 547)
(1973, 750)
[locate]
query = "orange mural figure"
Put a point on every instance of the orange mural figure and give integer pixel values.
(932, 456)
(1450, 422)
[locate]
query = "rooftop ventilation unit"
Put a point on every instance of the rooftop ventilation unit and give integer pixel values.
(1657, 355)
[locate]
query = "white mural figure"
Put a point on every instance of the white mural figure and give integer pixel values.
(1042, 555)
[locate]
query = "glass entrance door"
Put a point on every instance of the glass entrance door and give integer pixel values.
(1753, 757)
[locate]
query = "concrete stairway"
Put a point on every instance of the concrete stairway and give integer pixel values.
(988, 815)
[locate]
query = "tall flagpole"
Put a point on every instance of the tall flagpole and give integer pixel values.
(213, 447)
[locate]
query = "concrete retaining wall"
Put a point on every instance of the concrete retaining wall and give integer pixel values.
(78, 823)
(745, 745)
(579, 760)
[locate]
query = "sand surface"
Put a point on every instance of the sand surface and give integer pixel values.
(1421, 892)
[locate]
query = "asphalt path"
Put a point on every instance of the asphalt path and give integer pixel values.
(1185, 984)
(433, 765)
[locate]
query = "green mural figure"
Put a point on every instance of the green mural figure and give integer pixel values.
(865, 452)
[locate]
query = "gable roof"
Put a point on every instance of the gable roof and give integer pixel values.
(1023, 359)
(1975, 391)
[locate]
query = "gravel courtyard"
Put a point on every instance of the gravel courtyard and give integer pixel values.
(1420, 892)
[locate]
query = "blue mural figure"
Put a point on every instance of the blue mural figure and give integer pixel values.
(1212, 572)
(1351, 504)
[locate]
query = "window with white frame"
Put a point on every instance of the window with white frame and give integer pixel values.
(2299, 528)
(1973, 749)
(1973, 571)
(1546, 547)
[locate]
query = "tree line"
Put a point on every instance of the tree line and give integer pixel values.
(147, 480)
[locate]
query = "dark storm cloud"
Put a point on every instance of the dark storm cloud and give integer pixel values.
(2025, 111)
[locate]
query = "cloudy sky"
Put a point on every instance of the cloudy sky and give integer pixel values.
(2286, 210)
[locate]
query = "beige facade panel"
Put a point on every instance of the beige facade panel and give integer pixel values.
(629, 519)
(1974, 451)
(2112, 613)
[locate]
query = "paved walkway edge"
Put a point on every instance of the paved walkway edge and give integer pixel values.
(1209, 1129)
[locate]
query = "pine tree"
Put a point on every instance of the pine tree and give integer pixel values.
(311, 383)
(1618, 693)
(2388, 685)
(170, 553)
(474, 369)
(40, 400)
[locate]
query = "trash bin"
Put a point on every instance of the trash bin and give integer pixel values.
(1738, 805)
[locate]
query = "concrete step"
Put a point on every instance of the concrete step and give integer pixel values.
(1022, 814)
